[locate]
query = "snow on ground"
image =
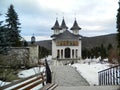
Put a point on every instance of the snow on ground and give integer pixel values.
(26, 73)
(89, 69)
(30, 72)
(3, 83)
(33, 71)
(49, 57)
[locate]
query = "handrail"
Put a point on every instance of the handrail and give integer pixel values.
(110, 76)
(108, 68)
(32, 81)
(21, 83)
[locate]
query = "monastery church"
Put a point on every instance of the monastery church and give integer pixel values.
(66, 44)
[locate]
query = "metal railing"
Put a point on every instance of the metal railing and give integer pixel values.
(110, 76)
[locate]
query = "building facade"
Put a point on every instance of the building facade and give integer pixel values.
(66, 44)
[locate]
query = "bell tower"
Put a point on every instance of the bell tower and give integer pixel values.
(33, 39)
(63, 25)
(56, 28)
(75, 28)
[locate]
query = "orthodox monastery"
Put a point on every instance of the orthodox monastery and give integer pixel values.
(66, 44)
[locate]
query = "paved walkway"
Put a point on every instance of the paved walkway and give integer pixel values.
(67, 76)
(89, 88)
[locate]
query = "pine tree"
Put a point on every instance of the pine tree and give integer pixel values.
(12, 24)
(103, 52)
(118, 28)
(3, 39)
(109, 47)
(84, 53)
(118, 34)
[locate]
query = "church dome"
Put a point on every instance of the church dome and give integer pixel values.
(75, 26)
(33, 39)
(63, 25)
(56, 26)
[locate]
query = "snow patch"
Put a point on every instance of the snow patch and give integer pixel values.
(89, 69)
(30, 72)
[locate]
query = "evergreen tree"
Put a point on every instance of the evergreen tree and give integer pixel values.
(109, 47)
(92, 53)
(3, 39)
(84, 53)
(25, 43)
(43, 52)
(12, 24)
(118, 28)
(103, 52)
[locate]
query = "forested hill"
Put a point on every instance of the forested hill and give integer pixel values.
(87, 42)
(90, 42)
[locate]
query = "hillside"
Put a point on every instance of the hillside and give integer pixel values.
(87, 42)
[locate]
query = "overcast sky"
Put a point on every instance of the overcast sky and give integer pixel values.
(95, 17)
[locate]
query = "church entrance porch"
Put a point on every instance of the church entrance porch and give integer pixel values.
(67, 52)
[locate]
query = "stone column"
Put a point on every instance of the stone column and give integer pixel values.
(60, 53)
(74, 53)
(71, 53)
(63, 54)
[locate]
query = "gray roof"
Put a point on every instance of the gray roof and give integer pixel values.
(66, 35)
(56, 26)
(75, 26)
(63, 25)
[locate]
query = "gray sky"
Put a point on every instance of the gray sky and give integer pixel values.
(95, 17)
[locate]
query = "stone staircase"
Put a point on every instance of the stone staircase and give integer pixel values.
(68, 78)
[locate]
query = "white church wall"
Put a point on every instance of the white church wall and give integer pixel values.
(80, 50)
(54, 50)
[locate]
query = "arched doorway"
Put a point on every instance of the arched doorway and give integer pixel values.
(67, 52)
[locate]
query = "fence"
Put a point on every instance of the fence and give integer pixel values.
(33, 81)
(30, 82)
(110, 76)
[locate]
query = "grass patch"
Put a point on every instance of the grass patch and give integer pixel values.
(8, 75)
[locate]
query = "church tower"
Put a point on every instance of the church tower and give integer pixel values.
(75, 28)
(33, 39)
(63, 26)
(56, 28)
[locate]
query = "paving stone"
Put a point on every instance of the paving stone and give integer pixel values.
(88, 88)
(67, 76)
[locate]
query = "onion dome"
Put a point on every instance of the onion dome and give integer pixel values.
(33, 39)
(56, 26)
(75, 26)
(63, 25)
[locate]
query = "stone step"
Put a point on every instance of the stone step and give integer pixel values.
(88, 88)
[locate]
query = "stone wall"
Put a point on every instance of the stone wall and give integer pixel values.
(21, 56)
(33, 54)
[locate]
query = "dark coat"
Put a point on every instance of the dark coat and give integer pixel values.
(48, 73)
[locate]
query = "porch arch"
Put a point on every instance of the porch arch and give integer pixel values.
(67, 52)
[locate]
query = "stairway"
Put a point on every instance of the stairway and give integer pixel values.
(88, 88)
